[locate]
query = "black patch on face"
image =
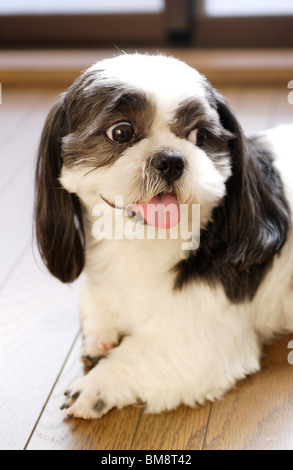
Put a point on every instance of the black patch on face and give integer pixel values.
(92, 109)
(193, 114)
(217, 260)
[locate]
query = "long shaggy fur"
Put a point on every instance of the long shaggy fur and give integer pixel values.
(162, 324)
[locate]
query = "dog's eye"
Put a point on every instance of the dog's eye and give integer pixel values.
(120, 133)
(197, 137)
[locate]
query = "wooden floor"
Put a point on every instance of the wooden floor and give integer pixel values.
(39, 328)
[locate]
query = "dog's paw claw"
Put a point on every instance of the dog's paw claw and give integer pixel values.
(83, 401)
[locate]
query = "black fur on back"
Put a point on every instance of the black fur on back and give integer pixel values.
(247, 229)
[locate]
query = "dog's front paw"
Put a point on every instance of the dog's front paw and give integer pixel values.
(85, 400)
(96, 346)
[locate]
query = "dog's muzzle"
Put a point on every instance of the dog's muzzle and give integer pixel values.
(170, 165)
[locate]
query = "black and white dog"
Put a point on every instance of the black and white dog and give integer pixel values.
(133, 135)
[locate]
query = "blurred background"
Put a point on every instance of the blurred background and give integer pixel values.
(245, 48)
(100, 23)
(228, 41)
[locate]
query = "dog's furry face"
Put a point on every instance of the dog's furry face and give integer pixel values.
(138, 126)
(126, 112)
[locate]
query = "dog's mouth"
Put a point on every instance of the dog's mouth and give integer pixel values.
(161, 211)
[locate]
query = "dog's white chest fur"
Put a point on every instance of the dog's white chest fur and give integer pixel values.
(138, 277)
(180, 347)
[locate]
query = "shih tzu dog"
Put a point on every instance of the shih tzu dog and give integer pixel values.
(126, 153)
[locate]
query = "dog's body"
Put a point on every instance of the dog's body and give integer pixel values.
(173, 326)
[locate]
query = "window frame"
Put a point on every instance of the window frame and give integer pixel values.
(252, 32)
(85, 30)
(179, 24)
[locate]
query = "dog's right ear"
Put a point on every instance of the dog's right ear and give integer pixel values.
(58, 215)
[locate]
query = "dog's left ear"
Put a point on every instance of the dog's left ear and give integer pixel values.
(58, 215)
(256, 211)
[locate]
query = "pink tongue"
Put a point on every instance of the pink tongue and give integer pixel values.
(161, 211)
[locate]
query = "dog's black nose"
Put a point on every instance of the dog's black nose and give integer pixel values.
(169, 164)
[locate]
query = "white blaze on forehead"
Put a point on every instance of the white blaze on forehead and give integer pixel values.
(169, 80)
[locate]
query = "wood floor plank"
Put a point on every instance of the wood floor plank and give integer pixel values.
(24, 115)
(182, 429)
(258, 413)
(38, 322)
(16, 212)
(55, 431)
(17, 174)
(15, 107)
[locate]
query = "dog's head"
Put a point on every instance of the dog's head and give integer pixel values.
(142, 127)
